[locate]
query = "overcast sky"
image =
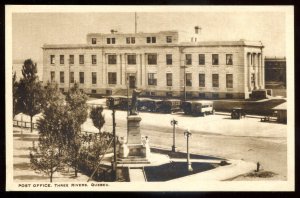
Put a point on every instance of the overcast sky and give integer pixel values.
(31, 31)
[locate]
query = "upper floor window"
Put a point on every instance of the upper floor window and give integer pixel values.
(169, 39)
(62, 59)
(110, 40)
(71, 77)
(94, 59)
(81, 59)
(152, 79)
(130, 40)
(152, 59)
(188, 59)
(151, 39)
(112, 59)
(201, 59)
(62, 77)
(169, 59)
(131, 59)
(71, 59)
(94, 41)
(215, 59)
(94, 78)
(215, 80)
(52, 76)
(229, 59)
(52, 59)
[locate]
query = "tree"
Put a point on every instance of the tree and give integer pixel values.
(97, 117)
(30, 90)
(15, 94)
(48, 158)
(77, 115)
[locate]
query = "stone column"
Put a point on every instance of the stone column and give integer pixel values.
(118, 69)
(138, 71)
(255, 66)
(263, 70)
(104, 65)
(143, 62)
(123, 69)
(259, 70)
(249, 71)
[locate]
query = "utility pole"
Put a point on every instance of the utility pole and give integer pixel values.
(174, 122)
(187, 135)
(114, 163)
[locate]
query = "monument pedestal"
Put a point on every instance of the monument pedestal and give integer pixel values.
(134, 151)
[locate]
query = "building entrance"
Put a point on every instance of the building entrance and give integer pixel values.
(132, 81)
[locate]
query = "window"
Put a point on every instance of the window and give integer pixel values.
(215, 80)
(151, 39)
(94, 41)
(71, 59)
(130, 40)
(215, 59)
(152, 59)
(188, 79)
(229, 81)
(62, 77)
(229, 59)
(94, 78)
(188, 59)
(202, 95)
(110, 40)
(94, 59)
(169, 79)
(229, 96)
(169, 59)
(201, 80)
(169, 39)
(112, 59)
(112, 78)
(81, 59)
(81, 77)
(94, 91)
(169, 94)
(52, 76)
(201, 59)
(131, 59)
(215, 96)
(52, 59)
(71, 77)
(62, 59)
(152, 79)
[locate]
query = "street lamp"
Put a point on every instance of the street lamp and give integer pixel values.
(173, 123)
(114, 163)
(187, 135)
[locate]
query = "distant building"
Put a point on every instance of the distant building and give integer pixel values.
(161, 64)
(275, 68)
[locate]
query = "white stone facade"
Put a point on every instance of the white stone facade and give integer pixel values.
(237, 79)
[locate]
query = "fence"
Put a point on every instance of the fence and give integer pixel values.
(24, 124)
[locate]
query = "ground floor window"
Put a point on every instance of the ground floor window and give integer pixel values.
(201, 80)
(52, 76)
(215, 95)
(71, 77)
(94, 78)
(152, 79)
(215, 80)
(201, 95)
(112, 78)
(169, 79)
(229, 96)
(188, 79)
(62, 77)
(229, 81)
(81, 77)
(94, 91)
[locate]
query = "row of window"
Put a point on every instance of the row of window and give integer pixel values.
(152, 80)
(131, 40)
(152, 59)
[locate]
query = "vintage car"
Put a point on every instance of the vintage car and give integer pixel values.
(113, 102)
(237, 113)
(149, 105)
(170, 105)
(125, 103)
(198, 107)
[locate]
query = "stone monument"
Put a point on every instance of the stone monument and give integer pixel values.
(134, 150)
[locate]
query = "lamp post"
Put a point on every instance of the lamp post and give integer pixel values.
(187, 135)
(173, 123)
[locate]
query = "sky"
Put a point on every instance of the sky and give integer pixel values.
(31, 30)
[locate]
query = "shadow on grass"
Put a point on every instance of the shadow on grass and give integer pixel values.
(30, 177)
(22, 166)
(174, 170)
(182, 155)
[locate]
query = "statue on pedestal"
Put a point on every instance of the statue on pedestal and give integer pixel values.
(135, 94)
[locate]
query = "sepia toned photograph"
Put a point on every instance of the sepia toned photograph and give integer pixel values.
(149, 98)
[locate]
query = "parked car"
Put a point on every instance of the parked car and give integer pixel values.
(198, 107)
(170, 105)
(237, 113)
(149, 105)
(125, 103)
(113, 102)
